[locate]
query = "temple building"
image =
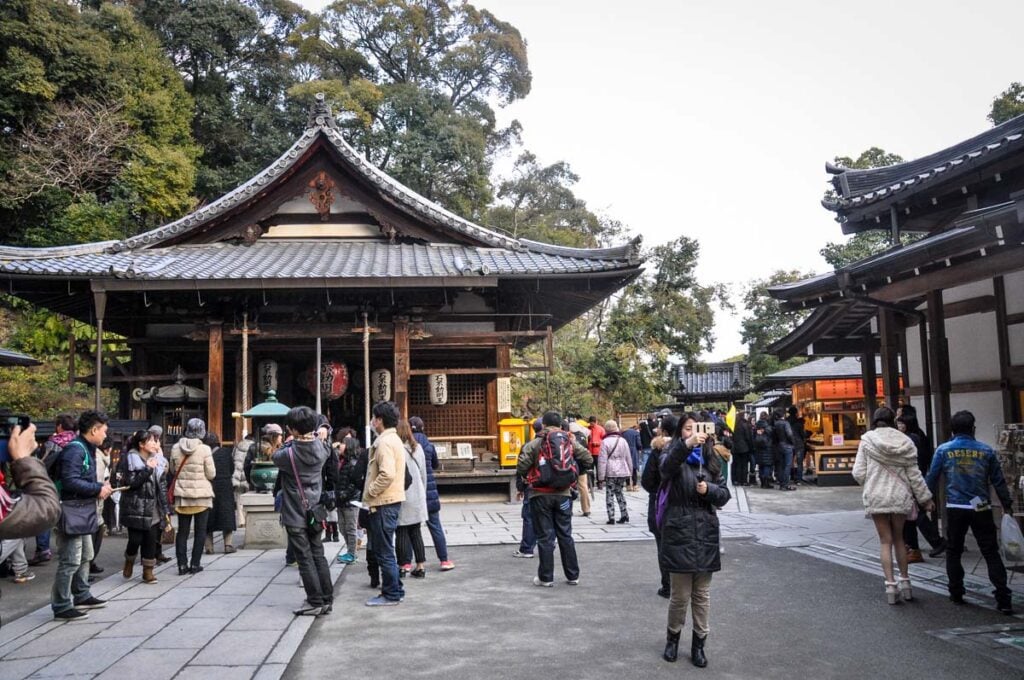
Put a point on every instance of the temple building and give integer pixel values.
(950, 304)
(319, 279)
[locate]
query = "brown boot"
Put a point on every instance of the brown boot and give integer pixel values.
(914, 557)
(147, 571)
(129, 566)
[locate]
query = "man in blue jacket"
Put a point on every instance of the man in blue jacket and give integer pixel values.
(433, 497)
(970, 466)
(78, 493)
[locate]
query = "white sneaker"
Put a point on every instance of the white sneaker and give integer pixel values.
(543, 584)
(516, 553)
(572, 581)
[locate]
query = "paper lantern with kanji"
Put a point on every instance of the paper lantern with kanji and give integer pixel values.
(437, 383)
(333, 379)
(266, 372)
(380, 385)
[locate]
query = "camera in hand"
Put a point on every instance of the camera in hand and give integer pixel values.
(8, 422)
(704, 428)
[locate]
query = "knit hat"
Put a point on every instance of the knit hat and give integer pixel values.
(611, 426)
(195, 429)
(272, 428)
(157, 430)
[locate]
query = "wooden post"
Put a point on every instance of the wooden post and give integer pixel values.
(926, 379)
(502, 359)
(867, 368)
(1003, 340)
(215, 394)
(890, 357)
(938, 359)
(100, 298)
(401, 386)
(71, 353)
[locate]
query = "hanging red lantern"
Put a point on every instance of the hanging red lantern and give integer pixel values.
(333, 379)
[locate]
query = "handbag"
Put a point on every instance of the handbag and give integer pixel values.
(174, 481)
(316, 514)
(78, 517)
(168, 535)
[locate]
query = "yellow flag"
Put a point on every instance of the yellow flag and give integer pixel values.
(730, 418)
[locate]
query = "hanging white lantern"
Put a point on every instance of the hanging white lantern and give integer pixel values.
(380, 385)
(266, 372)
(438, 384)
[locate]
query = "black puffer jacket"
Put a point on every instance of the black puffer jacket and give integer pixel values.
(145, 502)
(689, 532)
(351, 473)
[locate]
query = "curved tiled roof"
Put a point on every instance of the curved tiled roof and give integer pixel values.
(856, 188)
(274, 259)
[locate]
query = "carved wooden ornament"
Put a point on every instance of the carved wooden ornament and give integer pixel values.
(322, 194)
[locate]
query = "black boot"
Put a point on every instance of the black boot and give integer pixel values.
(697, 651)
(671, 646)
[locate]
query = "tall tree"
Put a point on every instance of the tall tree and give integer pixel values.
(421, 89)
(94, 126)
(1009, 104)
(765, 322)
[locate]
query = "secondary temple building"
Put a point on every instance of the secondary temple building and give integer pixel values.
(319, 278)
(950, 304)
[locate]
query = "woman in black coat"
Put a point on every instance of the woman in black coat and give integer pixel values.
(222, 518)
(143, 504)
(690, 541)
(650, 480)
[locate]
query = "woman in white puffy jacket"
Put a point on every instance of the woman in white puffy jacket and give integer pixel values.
(886, 466)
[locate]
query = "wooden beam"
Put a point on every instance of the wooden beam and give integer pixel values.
(480, 371)
(401, 372)
(1014, 319)
(832, 347)
(1003, 342)
(926, 379)
(889, 352)
(938, 354)
(870, 377)
(156, 377)
(1002, 262)
(100, 299)
(215, 393)
(966, 387)
(72, 350)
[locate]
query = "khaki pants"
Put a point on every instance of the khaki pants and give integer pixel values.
(584, 488)
(690, 589)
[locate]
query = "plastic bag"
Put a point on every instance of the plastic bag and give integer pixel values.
(1011, 540)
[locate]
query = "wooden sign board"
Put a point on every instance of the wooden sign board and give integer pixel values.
(505, 395)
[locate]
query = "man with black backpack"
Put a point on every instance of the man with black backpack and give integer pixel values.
(551, 463)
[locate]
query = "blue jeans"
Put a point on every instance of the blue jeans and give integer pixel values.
(383, 524)
(72, 581)
(786, 462)
(437, 533)
(552, 519)
(529, 540)
(43, 542)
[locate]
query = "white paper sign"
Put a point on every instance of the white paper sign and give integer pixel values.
(504, 395)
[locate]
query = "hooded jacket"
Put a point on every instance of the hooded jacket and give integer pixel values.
(309, 456)
(192, 488)
(615, 459)
(886, 466)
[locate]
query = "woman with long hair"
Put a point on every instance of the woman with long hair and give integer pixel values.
(143, 503)
(351, 475)
(409, 539)
(650, 480)
(692, 491)
(886, 466)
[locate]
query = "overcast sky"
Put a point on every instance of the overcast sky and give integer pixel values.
(714, 119)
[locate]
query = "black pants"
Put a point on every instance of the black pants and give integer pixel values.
(97, 541)
(740, 468)
(552, 520)
(147, 539)
(664, 574)
(308, 548)
(928, 529)
(409, 543)
(181, 542)
(983, 527)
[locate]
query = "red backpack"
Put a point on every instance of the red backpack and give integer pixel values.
(555, 469)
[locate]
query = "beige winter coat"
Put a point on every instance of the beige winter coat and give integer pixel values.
(385, 474)
(886, 466)
(193, 488)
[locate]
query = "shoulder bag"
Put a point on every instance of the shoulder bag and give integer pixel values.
(174, 481)
(912, 515)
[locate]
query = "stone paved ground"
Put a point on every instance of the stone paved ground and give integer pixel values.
(234, 620)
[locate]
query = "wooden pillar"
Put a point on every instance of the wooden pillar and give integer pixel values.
(870, 376)
(100, 299)
(71, 353)
(938, 355)
(502, 359)
(215, 393)
(890, 344)
(926, 379)
(401, 384)
(239, 404)
(1003, 340)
